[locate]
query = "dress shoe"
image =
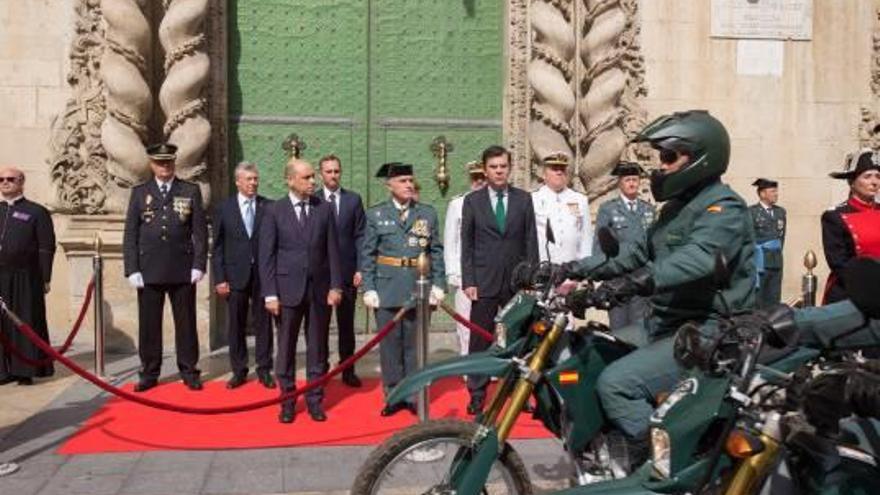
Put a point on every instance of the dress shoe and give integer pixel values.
(392, 409)
(7, 380)
(351, 380)
(266, 379)
(317, 413)
(236, 381)
(192, 382)
(145, 384)
(25, 380)
(475, 407)
(288, 412)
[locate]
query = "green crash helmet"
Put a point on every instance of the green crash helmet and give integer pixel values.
(694, 133)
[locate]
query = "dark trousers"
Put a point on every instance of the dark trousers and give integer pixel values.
(345, 324)
(151, 302)
(770, 291)
(628, 314)
(316, 314)
(397, 351)
(237, 305)
(483, 312)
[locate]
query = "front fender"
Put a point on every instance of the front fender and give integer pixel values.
(482, 363)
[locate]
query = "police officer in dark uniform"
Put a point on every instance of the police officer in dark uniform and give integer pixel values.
(629, 217)
(165, 252)
(27, 247)
(768, 220)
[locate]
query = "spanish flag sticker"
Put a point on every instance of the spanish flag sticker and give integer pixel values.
(714, 209)
(568, 378)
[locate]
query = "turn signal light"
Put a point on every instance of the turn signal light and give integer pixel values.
(540, 327)
(741, 445)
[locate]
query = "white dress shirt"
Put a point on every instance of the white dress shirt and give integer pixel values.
(568, 212)
(296, 200)
(328, 192)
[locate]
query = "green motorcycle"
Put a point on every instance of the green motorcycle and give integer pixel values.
(737, 425)
(543, 358)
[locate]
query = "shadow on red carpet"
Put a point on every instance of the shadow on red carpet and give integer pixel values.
(354, 419)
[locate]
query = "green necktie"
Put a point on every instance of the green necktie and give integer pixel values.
(500, 214)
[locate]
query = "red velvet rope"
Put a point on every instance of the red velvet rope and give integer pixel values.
(8, 345)
(473, 327)
(45, 347)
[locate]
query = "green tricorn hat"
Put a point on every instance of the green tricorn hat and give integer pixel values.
(394, 169)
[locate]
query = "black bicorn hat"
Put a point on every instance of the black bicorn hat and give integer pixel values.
(624, 169)
(162, 152)
(394, 169)
(857, 163)
(762, 183)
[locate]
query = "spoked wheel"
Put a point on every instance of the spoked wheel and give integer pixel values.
(417, 461)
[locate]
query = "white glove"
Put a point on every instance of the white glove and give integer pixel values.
(454, 280)
(437, 294)
(195, 276)
(136, 280)
(371, 299)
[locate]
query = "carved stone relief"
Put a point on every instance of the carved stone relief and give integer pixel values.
(869, 127)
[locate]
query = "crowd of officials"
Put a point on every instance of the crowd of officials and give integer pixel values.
(292, 262)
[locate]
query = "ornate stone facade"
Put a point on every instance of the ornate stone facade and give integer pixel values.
(869, 127)
(582, 86)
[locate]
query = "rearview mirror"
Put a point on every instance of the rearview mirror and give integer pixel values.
(608, 242)
(721, 273)
(548, 233)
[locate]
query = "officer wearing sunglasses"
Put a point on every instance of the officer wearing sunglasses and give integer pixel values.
(674, 267)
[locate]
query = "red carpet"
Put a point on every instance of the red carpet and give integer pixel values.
(120, 426)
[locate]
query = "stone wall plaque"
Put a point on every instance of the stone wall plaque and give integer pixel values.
(763, 19)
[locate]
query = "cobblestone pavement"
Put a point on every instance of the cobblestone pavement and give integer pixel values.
(36, 420)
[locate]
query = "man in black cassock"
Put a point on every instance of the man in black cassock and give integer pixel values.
(27, 246)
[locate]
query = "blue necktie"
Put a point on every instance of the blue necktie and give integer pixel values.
(249, 217)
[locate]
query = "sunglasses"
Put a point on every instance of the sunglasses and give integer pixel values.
(668, 156)
(8, 179)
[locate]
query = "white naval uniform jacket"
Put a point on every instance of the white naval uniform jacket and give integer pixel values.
(452, 240)
(569, 215)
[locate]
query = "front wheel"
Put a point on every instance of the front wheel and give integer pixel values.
(418, 460)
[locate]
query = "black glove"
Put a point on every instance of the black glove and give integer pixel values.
(569, 270)
(621, 289)
(579, 301)
(824, 401)
(863, 391)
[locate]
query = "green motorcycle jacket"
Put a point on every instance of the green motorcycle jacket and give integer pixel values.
(680, 252)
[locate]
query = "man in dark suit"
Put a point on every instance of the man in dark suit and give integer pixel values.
(301, 278)
(351, 224)
(236, 276)
(497, 232)
(165, 252)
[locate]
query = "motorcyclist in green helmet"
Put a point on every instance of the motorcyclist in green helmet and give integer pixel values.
(701, 217)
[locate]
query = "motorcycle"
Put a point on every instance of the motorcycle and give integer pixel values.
(543, 358)
(736, 425)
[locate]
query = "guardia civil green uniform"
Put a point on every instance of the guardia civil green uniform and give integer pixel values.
(389, 253)
(630, 221)
(701, 217)
(769, 225)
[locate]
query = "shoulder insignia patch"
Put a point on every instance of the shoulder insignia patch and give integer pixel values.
(715, 209)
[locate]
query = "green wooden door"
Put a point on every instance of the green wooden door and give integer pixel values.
(369, 80)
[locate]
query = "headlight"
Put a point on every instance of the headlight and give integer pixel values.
(661, 452)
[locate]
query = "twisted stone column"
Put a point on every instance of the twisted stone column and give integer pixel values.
(551, 78)
(181, 96)
(604, 81)
(129, 99)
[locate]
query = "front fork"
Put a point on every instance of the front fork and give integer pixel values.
(523, 386)
(471, 468)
